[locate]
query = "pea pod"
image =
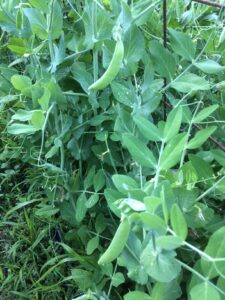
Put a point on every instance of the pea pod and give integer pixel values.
(112, 70)
(117, 244)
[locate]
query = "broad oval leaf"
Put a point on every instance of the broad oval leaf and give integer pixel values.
(124, 183)
(134, 295)
(148, 129)
(173, 123)
(178, 222)
(182, 44)
(20, 82)
(190, 82)
(203, 114)
(209, 66)
(172, 152)
(169, 242)
(200, 137)
(163, 267)
(139, 151)
(18, 128)
(153, 221)
(215, 249)
(204, 291)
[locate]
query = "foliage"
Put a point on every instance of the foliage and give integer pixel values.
(76, 161)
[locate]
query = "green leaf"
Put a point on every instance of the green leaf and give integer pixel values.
(118, 279)
(209, 66)
(161, 267)
(178, 222)
(57, 20)
(123, 94)
(99, 180)
(23, 115)
(18, 46)
(44, 99)
(190, 82)
(20, 82)
(134, 295)
(46, 211)
(81, 208)
(216, 249)
(182, 44)
(204, 291)
(169, 242)
(172, 152)
(153, 221)
(200, 137)
(173, 123)
(139, 151)
(38, 119)
(202, 168)
(92, 200)
(147, 128)
(83, 279)
(219, 156)
(37, 22)
(92, 245)
(164, 291)
(203, 114)
(40, 4)
(88, 181)
(164, 61)
(18, 128)
(124, 183)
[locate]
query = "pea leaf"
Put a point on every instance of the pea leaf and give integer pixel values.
(81, 208)
(92, 245)
(161, 267)
(169, 242)
(123, 94)
(139, 151)
(209, 66)
(190, 82)
(134, 295)
(148, 129)
(164, 61)
(38, 119)
(20, 82)
(153, 221)
(172, 152)
(182, 44)
(99, 180)
(124, 183)
(173, 123)
(164, 291)
(18, 128)
(37, 22)
(178, 222)
(203, 114)
(200, 137)
(216, 249)
(204, 291)
(118, 279)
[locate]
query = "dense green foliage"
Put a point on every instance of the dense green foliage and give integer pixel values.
(75, 162)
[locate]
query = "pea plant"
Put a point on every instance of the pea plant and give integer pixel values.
(115, 110)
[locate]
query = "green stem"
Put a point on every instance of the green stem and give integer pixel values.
(204, 279)
(210, 189)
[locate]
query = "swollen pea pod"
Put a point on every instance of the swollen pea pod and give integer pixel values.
(112, 70)
(117, 244)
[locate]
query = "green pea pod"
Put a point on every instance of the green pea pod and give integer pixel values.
(112, 70)
(117, 244)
